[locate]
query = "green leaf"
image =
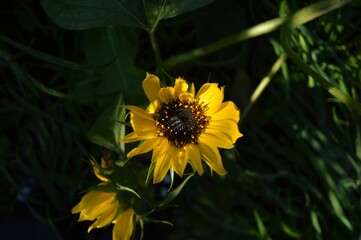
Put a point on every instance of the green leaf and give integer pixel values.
(119, 44)
(173, 194)
(85, 14)
(47, 57)
(177, 7)
(107, 130)
(315, 222)
(289, 231)
(339, 210)
(24, 77)
(150, 172)
(260, 225)
(124, 188)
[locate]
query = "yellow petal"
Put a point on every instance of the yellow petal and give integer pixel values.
(138, 111)
(228, 110)
(227, 127)
(161, 148)
(124, 225)
(97, 170)
(192, 90)
(186, 97)
(229, 140)
(89, 200)
(166, 95)
(142, 122)
(151, 86)
(179, 161)
(211, 156)
(139, 115)
(212, 96)
(221, 140)
(146, 146)
(153, 107)
(93, 204)
(99, 175)
(180, 86)
(195, 158)
(163, 163)
(138, 136)
(106, 217)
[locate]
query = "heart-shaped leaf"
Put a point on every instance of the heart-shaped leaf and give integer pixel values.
(84, 14)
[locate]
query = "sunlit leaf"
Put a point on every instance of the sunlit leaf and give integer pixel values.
(315, 222)
(124, 188)
(261, 227)
(289, 231)
(339, 210)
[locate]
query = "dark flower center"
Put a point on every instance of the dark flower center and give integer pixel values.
(181, 123)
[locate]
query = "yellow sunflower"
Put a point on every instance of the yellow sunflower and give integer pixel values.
(104, 208)
(181, 126)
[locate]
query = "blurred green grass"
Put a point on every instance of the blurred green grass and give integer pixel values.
(294, 174)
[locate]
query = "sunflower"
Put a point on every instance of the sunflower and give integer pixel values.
(181, 126)
(104, 209)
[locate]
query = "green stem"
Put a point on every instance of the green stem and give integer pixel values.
(255, 31)
(154, 43)
(313, 11)
(301, 17)
(263, 84)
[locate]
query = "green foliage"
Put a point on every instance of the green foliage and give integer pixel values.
(293, 69)
(106, 45)
(107, 130)
(85, 14)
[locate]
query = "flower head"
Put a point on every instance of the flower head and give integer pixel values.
(103, 208)
(181, 126)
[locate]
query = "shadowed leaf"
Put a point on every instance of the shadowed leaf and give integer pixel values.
(84, 14)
